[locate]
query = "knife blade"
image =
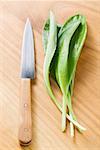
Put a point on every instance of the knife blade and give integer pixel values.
(27, 74)
(27, 57)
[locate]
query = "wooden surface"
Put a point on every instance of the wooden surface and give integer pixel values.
(46, 118)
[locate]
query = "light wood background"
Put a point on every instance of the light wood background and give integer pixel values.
(47, 133)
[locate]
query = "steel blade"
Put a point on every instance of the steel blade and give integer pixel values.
(27, 56)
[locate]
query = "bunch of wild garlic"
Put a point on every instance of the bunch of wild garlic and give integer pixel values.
(62, 47)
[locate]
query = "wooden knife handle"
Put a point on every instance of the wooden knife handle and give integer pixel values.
(25, 129)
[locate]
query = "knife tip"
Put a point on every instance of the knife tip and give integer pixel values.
(28, 21)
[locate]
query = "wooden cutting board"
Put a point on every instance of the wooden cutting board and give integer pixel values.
(47, 133)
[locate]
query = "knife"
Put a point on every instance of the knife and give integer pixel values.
(27, 74)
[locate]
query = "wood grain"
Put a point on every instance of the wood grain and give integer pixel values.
(46, 118)
(25, 124)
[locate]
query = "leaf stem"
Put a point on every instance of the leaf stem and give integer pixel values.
(64, 107)
(71, 128)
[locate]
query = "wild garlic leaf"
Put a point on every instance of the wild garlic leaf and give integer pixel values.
(75, 48)
(55, 60)
(63, 48)
(45, 37)
(50, 48)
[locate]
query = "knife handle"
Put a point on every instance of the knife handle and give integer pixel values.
(25, 129)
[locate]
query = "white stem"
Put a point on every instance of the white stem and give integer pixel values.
(75, 123)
